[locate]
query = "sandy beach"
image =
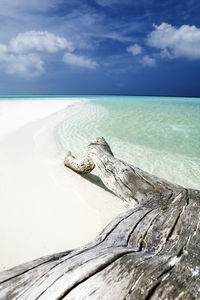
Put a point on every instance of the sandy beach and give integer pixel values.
(45, 207)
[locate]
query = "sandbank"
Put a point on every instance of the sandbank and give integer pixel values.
(45, 207)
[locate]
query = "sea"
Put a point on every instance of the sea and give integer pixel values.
(160, 135)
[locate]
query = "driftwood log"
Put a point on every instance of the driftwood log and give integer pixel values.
(149, 252)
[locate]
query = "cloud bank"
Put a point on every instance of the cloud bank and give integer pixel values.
(39, 41)
(176, 42)
(172, 42)
(25, 53)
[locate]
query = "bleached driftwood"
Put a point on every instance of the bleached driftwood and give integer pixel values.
(149, 252)
(82, 166)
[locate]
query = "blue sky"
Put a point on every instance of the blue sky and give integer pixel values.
(139, 47)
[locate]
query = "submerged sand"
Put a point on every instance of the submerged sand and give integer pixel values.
(45, 207)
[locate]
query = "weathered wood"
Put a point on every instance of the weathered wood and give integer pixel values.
(82, 166)
(149, 252)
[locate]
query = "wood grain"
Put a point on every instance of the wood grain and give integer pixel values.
(151, 251)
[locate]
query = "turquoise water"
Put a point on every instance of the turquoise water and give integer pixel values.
(158, 134)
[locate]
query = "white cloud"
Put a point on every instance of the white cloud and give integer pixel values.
(176, 42)
(134, 49)
(79, 61)
(19, 55)
(39, 41)
(148, 61)
(29, 65)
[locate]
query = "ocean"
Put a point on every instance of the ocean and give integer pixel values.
(160, 135)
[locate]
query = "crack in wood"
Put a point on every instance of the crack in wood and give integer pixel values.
(139, 221)
(34, 267)
(99, 269)
(146, 232)
(152, 291)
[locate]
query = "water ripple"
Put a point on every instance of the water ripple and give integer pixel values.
(161, 137)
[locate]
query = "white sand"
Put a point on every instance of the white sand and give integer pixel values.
(44, 207)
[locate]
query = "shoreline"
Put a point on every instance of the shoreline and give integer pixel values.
(45, 208)
(15, 114)
(74, 95)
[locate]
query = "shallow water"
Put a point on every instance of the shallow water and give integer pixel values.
(158, 134)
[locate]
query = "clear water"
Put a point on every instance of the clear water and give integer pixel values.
(158, 134)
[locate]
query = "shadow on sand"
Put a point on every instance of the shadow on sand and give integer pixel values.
(96, 180)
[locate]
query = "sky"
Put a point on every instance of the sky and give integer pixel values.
(135, 47)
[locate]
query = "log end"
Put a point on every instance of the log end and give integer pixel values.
(81, 166)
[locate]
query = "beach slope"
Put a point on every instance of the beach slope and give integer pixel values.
(45, 207)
